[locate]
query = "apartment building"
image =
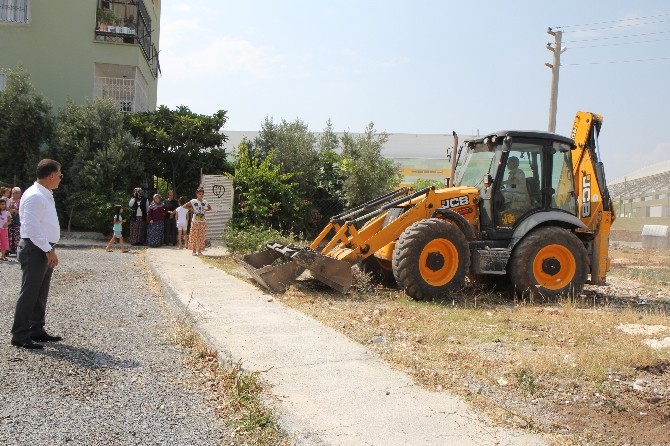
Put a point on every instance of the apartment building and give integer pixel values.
(84, 49)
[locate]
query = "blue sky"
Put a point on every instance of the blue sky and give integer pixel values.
(425, 67)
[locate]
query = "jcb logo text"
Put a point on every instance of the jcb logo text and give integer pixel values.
(586, 195)
(455, 202)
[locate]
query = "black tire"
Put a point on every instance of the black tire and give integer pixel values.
(381, 270)
(430, 259)
(549, 262)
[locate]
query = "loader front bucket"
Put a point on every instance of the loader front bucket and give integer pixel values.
(334, 273)
(275, 278)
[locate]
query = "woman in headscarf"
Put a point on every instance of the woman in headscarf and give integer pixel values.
(138, 217)
(15, 226)
(156, 216)
(171, 205)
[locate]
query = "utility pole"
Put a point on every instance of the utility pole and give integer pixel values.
(555, 67)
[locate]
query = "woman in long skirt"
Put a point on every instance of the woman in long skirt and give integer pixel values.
(196, 239)
(138, 217)
(156, 216)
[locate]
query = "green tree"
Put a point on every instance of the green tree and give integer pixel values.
(264, 196)
(367, 173)
(329, 198)
(179, 143)
(294, 150)
(100, 162)
(25, 128)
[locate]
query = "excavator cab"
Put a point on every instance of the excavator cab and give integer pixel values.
(517, 175)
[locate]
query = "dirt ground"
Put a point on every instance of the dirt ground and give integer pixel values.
(594, 370)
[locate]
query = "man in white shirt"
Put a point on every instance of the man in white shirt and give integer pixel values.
(40, 231)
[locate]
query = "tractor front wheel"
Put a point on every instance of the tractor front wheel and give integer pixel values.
(549, 262)
(430, 259)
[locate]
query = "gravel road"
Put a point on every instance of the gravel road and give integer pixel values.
(115, 379)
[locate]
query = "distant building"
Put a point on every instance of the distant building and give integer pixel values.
(643, 193)
(84, 49)
(419, 156)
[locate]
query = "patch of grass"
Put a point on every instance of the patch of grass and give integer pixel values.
(243, 241)
(647, 266)
(525, 380)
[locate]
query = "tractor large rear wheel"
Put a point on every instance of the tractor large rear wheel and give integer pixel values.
(549, 262)
(430, 259)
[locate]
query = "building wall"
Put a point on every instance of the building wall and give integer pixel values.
(58, 48)
(643, 204)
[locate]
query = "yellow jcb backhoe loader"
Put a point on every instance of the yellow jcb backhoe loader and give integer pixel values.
(532, 205)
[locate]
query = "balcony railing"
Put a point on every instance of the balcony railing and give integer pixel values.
(127, 21)
(128, 94)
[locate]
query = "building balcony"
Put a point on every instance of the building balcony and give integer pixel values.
(128, 93)
(127, 21)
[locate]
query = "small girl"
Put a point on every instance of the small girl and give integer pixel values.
(182, 223)
(118, 222)
(5, 220)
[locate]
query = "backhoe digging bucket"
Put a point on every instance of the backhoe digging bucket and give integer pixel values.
(275, 278)
(334, 273)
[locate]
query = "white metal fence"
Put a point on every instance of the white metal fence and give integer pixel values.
(129, 94)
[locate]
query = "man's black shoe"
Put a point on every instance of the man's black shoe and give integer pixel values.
(30, 345)
(46, 338)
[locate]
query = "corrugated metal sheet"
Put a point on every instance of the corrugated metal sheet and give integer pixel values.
(654, 231)
(219, 193)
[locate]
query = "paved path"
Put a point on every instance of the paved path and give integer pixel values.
(330, 390)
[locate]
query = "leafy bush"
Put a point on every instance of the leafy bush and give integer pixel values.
(423, 183)
(266, 197)
(245, 240)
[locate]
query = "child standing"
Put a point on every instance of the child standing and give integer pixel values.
(5, 220)
(117, 228)
(182, 223)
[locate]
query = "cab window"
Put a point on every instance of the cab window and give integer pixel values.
(562, 181)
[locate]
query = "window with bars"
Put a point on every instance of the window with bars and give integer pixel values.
(14, 11)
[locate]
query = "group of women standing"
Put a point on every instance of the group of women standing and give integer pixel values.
(155, 223)
(12, 197)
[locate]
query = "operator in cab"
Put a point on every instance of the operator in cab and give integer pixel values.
(515, 190)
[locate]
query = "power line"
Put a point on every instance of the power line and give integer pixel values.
(616, 21)
(617, 37)
(618, 61)
(628, 25)
(617, 44)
